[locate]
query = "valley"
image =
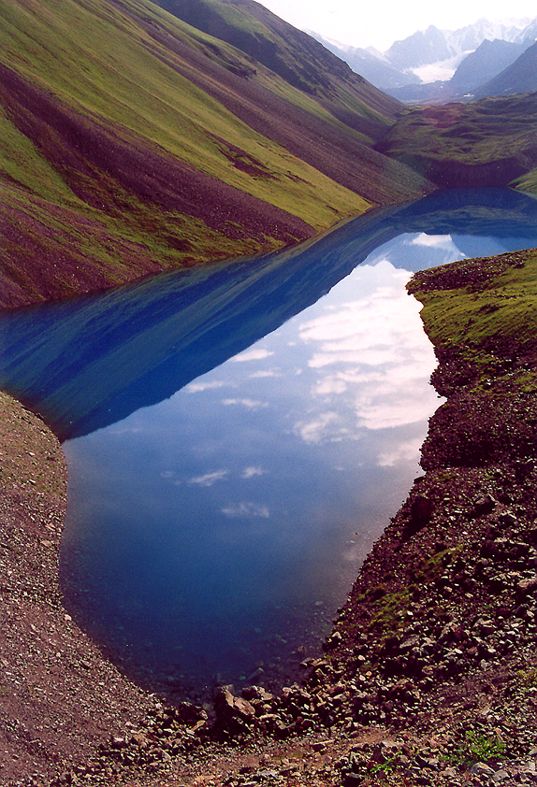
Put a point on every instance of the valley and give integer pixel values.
(250, 534)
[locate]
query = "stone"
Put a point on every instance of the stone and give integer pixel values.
(421, 511)
(530, 536)
(319, 745)
(484, 505)
(257, 693)
(527, 587)
(482, 770)
(500, 776)
(231, 711)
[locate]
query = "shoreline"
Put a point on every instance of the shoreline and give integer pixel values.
(435, 641)
(59, 696)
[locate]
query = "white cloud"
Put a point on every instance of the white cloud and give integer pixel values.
(249, 404)
(193, 388)
(377, 412)
(245, 510)
(265, 373)
(328, 386)
(321, 428)
(373, 356)
(252, 355)
(253, 472)
(433, 241)
(208, 479)
(406, 451)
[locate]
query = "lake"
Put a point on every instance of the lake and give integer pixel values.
(238, 435)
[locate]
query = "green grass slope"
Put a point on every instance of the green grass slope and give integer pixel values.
(131, 142)
(295, 56)
(492, 142)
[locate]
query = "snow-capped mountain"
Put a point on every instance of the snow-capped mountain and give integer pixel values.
(529, 33)
(468, 38)
(433, 56)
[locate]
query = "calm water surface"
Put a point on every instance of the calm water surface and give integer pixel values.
(238, 436)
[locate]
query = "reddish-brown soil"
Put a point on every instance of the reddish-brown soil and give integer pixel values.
(41, 263)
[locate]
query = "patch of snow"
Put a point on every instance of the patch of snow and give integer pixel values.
(441, 70)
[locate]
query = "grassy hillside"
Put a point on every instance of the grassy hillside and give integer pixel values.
(131, 142)
(492, 142)
(296, 57)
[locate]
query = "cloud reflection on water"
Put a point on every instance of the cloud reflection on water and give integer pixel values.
(370, 356)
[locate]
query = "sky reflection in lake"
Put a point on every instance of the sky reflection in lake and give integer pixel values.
(238, 510)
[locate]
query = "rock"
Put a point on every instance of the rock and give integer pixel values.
(231, 712)
(530, 536)
(421, 511)
(188, 713)
(507, 519)
(333, 640)
(500, 777)
(482, 770)
(527, 587)
(319, 745)
(483, 505)
(257, 693)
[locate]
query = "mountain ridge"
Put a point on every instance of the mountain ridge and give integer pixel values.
(425, 56)
(520, 76)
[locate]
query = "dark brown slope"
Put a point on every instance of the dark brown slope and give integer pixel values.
(491, 142)
(58, 697)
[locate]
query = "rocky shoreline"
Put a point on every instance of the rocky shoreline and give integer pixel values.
(430, 674)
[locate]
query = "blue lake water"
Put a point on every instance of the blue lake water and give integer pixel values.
(238, 436)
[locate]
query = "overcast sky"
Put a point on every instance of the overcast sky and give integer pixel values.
(383, 23)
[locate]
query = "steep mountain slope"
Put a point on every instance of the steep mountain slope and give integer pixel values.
(374, 67)
(485, 63)
(519, 77)
(421, 48)
(131, 142)
(295, 56)
(492, 142)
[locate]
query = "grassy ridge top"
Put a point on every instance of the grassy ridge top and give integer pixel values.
(168, 145)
